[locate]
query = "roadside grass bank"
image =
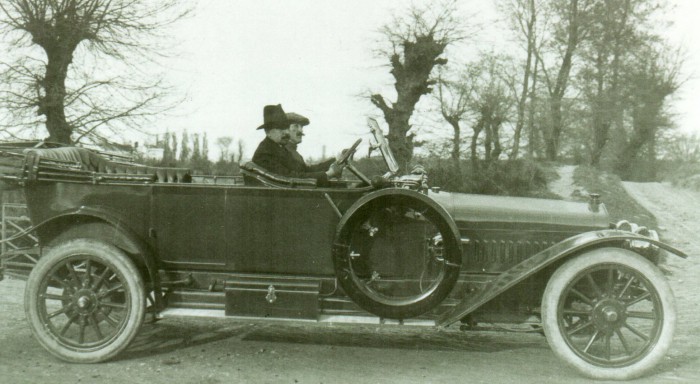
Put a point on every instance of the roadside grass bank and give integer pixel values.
(686, 175)
(620, 205)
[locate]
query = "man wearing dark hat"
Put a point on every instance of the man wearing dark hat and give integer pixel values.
(297, 123)
(272, 155)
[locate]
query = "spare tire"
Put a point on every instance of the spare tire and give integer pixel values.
(397, 256)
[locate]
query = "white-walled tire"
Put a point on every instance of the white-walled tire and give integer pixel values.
(85, 301)
(609, 313)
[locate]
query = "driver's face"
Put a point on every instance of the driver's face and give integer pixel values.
(279, 136)
(296, 132)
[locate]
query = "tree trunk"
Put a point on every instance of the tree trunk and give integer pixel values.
(557, 93)
(397, 118)
(532, 135)
(456, 143)
(475, 137)
(51, 104)
(601, 123)
(495, 139)
(488, 141)
(526, 79)
(400, 143)
(554, 131)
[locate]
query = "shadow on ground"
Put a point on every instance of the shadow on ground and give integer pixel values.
(166, 336)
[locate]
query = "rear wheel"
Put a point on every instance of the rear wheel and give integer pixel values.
(85, 301)
(609, 313)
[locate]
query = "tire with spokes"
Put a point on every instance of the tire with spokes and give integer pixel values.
(609, 313)
(85, 301)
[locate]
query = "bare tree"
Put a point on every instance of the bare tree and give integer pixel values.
(241, 148)
(196, 151)
(224, 144)
(569, 29)
(523, 15)
(655, 77)
(453, 98)
(168, 155)
(682, 147)
(618, 32)
(83, 83)
(185, 147)
(417, 42)
(491, 103)
(173, 145)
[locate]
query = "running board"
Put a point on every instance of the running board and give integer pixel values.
(326, 319)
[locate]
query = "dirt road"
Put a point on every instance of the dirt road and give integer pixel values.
(222, 351)
(678, 214)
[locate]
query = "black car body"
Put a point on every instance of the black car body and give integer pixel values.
(118, 240)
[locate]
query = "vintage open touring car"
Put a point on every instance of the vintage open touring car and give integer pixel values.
(120, 240)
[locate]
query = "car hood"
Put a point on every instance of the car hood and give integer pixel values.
(466, 208)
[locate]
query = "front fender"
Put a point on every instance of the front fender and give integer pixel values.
(536, 263)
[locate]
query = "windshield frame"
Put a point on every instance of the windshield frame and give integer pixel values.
(383, 144)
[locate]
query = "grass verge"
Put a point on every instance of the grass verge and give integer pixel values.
(620, 205)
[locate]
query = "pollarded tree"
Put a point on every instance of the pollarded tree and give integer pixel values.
(417, 43)
(74, 65)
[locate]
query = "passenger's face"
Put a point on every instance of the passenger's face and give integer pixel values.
(296, 132)
(279, 136)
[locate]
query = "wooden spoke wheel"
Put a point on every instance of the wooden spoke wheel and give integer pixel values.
(85, 301)
(609, 313)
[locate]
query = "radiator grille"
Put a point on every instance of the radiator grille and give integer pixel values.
(483, 255)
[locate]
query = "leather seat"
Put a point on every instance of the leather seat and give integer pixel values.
(93, 162)
(253, 174)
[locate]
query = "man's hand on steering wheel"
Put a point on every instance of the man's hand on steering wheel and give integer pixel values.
(336, 169)
(347, 153)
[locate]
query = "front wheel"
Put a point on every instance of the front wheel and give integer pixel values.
(609, 313)
(85, 301)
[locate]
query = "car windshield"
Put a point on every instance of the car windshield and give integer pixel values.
(383, 145)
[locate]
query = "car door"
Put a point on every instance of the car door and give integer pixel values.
(188, 223)
(279, 230)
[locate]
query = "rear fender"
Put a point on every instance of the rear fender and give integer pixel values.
(567, 248)
(100, 225)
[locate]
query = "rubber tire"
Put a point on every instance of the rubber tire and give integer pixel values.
(401, 312)
(568, 271)
(119, 263)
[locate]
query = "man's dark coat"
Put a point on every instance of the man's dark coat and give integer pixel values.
(320, 167)
(278, 159)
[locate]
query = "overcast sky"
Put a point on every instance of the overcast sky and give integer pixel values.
(315, 58)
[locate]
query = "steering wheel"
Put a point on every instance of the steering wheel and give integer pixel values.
(343, 159)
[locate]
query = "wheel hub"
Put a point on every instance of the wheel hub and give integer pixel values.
(85, 301)
(609, 315)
